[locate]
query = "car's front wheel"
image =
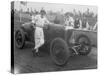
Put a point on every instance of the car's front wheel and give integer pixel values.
(59, 51)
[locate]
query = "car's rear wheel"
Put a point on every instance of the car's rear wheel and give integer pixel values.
(59, 51)
(85, 44)
(19, 38)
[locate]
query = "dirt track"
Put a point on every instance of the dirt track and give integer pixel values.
(25, 62)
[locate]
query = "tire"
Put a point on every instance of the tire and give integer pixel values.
(19, 38)
(86, 44)
(59, 51)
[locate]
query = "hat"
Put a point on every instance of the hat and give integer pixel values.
(42, 11)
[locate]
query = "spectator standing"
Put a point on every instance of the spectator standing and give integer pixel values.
(85, 24)
(69, 22)
(76, 23)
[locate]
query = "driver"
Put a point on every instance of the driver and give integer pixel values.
(40, 21)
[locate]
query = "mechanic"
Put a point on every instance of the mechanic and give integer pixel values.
(40, 21)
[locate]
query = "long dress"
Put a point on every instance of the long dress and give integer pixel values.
(39, 34)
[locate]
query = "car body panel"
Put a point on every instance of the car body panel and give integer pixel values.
(92, 35)
(53, 32)
(58, 31)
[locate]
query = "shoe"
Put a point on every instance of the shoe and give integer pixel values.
(34, 53)
(37, 54)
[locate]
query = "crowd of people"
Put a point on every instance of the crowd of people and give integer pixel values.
(78, 23)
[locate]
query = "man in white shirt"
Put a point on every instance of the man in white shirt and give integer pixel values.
(40, 21)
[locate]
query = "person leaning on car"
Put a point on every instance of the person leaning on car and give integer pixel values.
(40, 21)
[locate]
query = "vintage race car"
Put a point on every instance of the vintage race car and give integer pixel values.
(61, 42)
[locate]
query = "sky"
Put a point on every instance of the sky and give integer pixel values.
(55, 7)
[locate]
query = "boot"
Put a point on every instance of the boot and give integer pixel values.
(34, 53)
(38, 53)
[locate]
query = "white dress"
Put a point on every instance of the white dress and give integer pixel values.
(39, 34)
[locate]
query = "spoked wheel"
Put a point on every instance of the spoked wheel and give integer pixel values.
(59, 51)
(85, 44)
(19, 39)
